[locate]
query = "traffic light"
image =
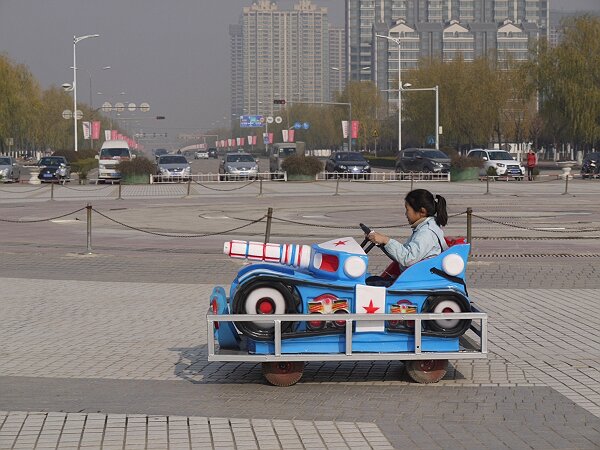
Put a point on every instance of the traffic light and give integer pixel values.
(279, 102)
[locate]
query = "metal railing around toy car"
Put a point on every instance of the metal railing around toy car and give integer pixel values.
(469, 349)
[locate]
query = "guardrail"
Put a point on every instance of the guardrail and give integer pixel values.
(218, 177)
(384, 176)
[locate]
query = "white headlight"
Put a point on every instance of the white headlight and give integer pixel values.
(453, 264)
(355, 267)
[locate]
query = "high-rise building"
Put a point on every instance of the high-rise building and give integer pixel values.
(277, 54)
(337, 60)
(437, 29)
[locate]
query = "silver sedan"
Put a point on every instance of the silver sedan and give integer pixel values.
(9, 169)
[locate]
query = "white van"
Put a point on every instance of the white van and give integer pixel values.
(111, 153)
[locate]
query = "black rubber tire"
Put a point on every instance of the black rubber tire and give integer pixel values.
(457, 330)
(250, 329)
(283, 374)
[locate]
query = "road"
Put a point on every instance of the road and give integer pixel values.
(110, 348)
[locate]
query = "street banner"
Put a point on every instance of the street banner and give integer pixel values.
(230, 142)
(291, 135)
(107, 135)
(266, 138)
(345, 129)
(285, 135)
(87, 129)
(242, 142)
(238, 141)
(355, 126)
(120, 137)
(251, 140)
(113, 135)
(96, 130)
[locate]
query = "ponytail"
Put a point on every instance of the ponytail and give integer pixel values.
(441, 214)
(436, 207)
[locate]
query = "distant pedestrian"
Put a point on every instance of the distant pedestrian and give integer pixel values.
(532, 161)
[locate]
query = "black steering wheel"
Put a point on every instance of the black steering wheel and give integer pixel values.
(370, 245)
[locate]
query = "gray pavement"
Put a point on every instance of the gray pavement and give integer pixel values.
(109, 349)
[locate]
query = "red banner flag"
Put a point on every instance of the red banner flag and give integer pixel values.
(113, 135)
(291, 135)
(355, 125)
(270, 138)
(96, 130)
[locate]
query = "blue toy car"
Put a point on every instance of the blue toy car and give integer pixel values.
(306, 303)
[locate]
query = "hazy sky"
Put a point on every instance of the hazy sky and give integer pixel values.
(172, 54)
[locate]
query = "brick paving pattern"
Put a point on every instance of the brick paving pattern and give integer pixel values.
(109, 350)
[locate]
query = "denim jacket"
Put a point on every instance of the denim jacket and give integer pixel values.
(427, 240)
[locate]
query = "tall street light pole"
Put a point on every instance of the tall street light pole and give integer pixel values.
(397, 42)
(437, 109)
(77, 39)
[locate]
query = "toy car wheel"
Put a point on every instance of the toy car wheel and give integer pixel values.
(426, 371)
(262, 297)
(340, 324)
(447, 304)
(283, 374)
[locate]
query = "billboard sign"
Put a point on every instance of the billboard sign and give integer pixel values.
(252, 121)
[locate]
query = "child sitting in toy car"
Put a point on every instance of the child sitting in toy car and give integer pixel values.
(425, 215)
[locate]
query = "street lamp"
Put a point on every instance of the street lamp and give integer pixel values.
(77, 39)
(437, 109)
(397, 42)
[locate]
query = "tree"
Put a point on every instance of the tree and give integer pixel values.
(567, 79)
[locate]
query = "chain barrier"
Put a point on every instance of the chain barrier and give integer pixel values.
(521, 227)
(25, 192)
(224, 190)
(41, 220)
(295, 222)
(177, 235)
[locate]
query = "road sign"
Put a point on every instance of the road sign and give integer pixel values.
(78, 114)
(131, 107)
(120, 107)
(375, 133)
(297, 125)
(67, 114)
(144, 107)
(251, 121)
(278, 119)
(279, 102)
(270, 119)
(306, 125)
(106, 107)
(430, 140)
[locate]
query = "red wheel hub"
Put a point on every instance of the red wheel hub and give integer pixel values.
(265, 306)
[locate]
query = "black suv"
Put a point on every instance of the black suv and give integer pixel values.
(422, 160)
(212, 153)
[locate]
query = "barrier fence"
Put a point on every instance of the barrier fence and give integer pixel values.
(269, 219)
(187, 189)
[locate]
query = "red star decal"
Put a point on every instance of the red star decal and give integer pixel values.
(371, 309)
(338, 243)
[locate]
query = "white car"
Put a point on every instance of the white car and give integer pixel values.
(201, 154)
(501, 160)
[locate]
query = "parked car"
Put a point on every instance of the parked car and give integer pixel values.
(212, 152)
(239, 164)
(201, 154)
(174, 167)
(352, 163)
(590, 167)
(9, 169)
(501, 160)
(48, 166)
(159, 152)
(422, 160)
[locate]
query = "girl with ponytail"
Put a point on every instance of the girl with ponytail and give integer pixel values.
(425, 215)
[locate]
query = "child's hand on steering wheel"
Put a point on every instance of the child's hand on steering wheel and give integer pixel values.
(377, 238)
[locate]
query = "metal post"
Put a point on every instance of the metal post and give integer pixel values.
(89, 228)
(260, 193)
(487, 182)
(411, 181)
(120, 198)
(566, 184)
(337, 187)
(437, 118)
(51, 191)
(469, 225)
(189, 187)
(268, 230)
